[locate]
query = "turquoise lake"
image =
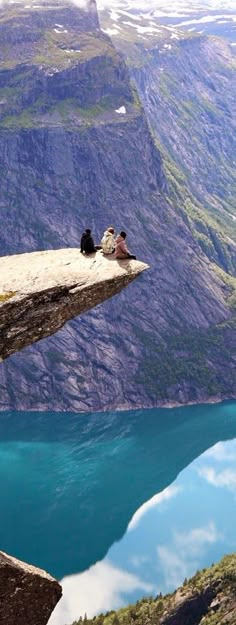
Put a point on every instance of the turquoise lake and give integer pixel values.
(118, 505)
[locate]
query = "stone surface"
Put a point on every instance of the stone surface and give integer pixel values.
(39, 292)
(28, 595)
(189, 608)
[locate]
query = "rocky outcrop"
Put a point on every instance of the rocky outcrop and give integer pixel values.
(39, 292)
(28, 595)
(189, 607)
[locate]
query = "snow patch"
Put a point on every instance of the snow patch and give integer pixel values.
(206, 20)
(111, 31)
(143, 29)
(114, 16)
(121, 110)
(60, 31)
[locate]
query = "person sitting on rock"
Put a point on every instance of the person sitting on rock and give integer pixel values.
(108, 242)
(87, 243)
(121, 250)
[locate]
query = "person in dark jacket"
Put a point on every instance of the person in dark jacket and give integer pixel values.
(87, 243)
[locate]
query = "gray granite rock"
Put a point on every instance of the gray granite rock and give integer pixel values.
(39, 292)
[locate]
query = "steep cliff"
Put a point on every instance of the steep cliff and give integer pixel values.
(187, 83)
(76, 150)
(191, 103)
(208, 598)
(39, 292)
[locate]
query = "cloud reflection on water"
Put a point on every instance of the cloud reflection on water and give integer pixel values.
(168, 493)
(187, 526)
(220, 476)
(225, 479)
(97, 590)
(222, 452)
(183, 556)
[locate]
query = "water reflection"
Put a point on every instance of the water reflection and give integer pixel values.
(73, 482)
(188, 526)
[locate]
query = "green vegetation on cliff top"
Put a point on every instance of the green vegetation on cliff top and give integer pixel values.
(100, 82)
(65, 49)
(69, 114)
(58, 49)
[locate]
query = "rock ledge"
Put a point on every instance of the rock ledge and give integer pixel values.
(40, 291)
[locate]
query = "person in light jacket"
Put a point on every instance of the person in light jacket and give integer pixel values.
(108, 242)
(121, 250)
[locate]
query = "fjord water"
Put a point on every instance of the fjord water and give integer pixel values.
(71, 485)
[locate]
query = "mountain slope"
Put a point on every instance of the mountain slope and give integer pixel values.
(208, 598)
(189, 16)
(187, 84)
(76, 150)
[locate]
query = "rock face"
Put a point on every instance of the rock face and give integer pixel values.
(190, 607)
(28, 595)
(187, 84)
(76, 151)
(42, 290)
(198, 115)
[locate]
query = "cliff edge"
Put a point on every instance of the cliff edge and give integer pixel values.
(40, 291)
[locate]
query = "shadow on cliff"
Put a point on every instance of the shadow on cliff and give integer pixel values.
(71, 483)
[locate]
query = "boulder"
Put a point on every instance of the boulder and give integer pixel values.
(28, 595)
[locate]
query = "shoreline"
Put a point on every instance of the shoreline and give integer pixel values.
(168, 405)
